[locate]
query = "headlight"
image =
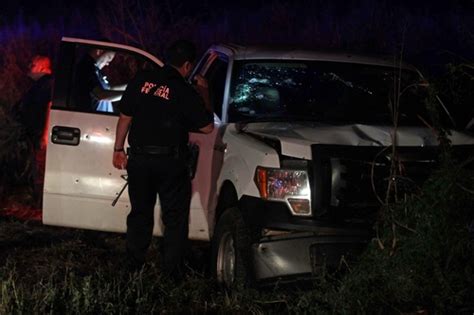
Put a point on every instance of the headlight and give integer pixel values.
(289, 185)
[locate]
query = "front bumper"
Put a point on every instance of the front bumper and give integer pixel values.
(304, 254)
(289, 247)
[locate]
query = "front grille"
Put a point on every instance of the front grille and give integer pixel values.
(348, 180)
(363, 183)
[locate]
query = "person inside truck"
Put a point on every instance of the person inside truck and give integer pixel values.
(159, 108)
(93, 91)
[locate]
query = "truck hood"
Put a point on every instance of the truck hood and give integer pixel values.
(296, 138)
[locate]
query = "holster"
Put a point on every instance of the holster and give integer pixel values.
(192, 157)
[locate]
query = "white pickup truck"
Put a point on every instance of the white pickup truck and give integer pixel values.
(288, 180)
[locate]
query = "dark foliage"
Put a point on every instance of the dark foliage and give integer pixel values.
(15, 156)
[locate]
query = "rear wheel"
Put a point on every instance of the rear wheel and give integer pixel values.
(231, 252)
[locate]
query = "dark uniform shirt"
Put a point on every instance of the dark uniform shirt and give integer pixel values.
(164, 108)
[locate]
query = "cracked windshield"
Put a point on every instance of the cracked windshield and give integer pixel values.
(340, 93)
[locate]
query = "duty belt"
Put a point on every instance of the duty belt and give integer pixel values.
(154, 150)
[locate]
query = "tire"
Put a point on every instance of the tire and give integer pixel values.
(231, 264)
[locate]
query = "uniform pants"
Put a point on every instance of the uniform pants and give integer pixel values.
(169, 178)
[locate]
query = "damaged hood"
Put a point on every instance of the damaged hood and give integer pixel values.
(296, 138)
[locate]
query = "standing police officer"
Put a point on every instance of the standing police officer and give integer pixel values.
(160, 108)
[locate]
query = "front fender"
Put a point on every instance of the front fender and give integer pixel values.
(243, 154)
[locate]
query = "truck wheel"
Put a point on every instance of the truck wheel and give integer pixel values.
(231, 255)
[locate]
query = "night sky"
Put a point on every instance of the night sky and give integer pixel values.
(47, 10)
(433, 32)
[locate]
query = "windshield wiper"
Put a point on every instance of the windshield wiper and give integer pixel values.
(289, 118)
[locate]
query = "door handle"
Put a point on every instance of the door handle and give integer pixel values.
(65, 135)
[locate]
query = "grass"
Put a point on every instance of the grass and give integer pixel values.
(64, 271)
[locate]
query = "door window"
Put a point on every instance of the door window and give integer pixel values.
(93, 78)
(216, 78)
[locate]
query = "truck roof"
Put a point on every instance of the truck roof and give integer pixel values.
(251, 52)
